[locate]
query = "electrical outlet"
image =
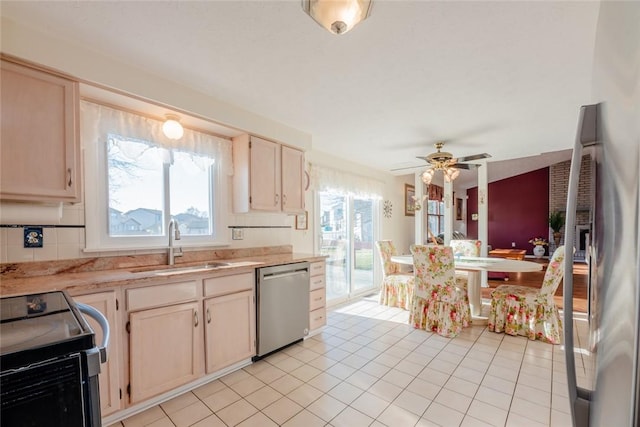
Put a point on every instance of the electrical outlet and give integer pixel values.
(513, 244)
(237, 234)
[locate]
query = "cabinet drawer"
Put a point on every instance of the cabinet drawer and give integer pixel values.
(316, 268)
(316, 282)
(317, 318)
(316, 299)
(228, 284)
(154, 296)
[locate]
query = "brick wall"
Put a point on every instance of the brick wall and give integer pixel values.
(558, 185)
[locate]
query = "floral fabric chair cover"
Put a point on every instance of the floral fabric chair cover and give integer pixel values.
(397, 287)
(439, 304)
(464, 248)
(521, 310)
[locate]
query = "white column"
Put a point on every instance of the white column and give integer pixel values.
(483, 215)
(448, 211)
(419, 214)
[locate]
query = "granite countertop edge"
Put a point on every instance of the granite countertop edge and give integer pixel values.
(96, 280)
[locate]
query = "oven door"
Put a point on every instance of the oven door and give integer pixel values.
(46, 394)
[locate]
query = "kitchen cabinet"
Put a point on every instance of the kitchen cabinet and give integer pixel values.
(230, 330)
(292, 180)
(110, 385)
(39, 143)
(317, 296)
(268, 176)
(166, 349)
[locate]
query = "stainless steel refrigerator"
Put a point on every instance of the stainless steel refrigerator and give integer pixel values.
(609, 131)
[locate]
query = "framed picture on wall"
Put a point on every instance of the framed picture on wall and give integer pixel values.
(459, 209)
(409, 201)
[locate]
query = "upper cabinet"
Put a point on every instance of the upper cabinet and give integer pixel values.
(267, 176)
(39, 143)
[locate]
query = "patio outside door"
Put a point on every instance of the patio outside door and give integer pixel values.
(346, 236)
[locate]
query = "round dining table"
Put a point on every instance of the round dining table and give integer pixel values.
(475, 265)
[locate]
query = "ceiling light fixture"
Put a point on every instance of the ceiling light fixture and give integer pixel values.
(450, 173)
(172, 128)
(337, 16)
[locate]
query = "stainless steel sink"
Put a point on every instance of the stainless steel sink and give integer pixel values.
(213, 265)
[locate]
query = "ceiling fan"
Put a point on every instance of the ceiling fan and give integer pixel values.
(444, 161)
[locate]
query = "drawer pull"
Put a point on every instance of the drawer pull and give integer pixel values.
(208, 316)
(318, 299)
(69, 174)
(195, 318)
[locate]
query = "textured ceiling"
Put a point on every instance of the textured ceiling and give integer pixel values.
(506, 78)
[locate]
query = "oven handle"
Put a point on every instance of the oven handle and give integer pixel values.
(104, 324)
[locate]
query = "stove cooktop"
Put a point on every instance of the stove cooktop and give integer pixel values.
(40, 327)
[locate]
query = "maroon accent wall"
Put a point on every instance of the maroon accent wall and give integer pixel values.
(518, 210)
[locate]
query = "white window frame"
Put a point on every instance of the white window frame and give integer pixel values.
(97, 238)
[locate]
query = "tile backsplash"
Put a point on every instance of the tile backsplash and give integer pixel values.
(66, 239)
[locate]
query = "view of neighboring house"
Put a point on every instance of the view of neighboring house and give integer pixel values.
(149, 221)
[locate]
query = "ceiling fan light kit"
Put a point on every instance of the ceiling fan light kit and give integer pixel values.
(337, 16)
(445, 162)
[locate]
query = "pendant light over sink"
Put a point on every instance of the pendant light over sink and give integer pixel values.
(172, 128)
(337, 16)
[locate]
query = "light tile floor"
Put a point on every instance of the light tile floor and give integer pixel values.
(369, 368)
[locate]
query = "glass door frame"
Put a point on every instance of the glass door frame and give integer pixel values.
(350, 257)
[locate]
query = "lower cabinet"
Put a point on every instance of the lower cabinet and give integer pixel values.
(165, 349)
(317, 296)
(110, 389)
(230, 329)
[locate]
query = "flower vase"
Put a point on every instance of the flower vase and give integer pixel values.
(538, 251)
(556, 238)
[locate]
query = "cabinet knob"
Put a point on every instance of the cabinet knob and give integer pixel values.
(284, 199)
(277, 199)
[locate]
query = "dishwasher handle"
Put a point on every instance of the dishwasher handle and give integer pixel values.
(270, 276)
(104, 324)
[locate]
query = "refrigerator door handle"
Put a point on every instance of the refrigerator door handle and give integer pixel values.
(579, 399)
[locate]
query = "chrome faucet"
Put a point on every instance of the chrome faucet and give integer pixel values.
(174, 234)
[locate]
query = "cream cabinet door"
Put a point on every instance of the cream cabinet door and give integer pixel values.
(39, 144)
(166, 349)
(230, 330)
(109, 378)
(292, 180)
(265, 177)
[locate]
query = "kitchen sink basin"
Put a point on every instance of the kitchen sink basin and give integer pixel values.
(213, 265)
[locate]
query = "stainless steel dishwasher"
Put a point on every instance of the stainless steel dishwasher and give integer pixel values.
(282, 306)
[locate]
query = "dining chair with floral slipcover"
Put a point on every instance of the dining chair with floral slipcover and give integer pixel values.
(531, 312)
(465, 248)
(397, 287)
(439, 304)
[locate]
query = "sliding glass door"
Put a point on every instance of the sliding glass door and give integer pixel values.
(347, 234)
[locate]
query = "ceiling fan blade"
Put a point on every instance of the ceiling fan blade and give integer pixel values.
(406, 168)
(467, 166)
(473, 157)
